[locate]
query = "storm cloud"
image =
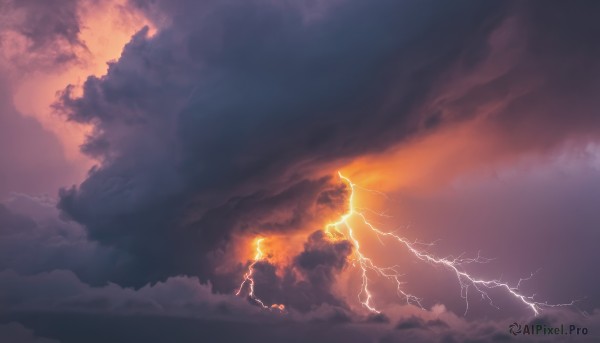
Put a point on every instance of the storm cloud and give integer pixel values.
(40, 35)
(197, 118)
(227, 120)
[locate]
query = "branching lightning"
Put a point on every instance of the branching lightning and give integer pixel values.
(249, 276)
(249, 279)
(455, 265)
(342, 229)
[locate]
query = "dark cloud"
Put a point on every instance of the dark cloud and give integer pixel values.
(306, 283)
(415, 322)
(226, 123)
(411, 323)
(40, 34)
(16, 333)
(320, 257)
(34, 239)
(59, 306)
(62, 291)
(378, 318)
(534, 81)
(201, 122)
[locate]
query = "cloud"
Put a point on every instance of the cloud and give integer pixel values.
(16, 333)
(61, 291)
(306, 283)
(228, 124)
(37, 34)
(519, 215)
(535, 80)
(199, 121)
(34, 239)
(59, 306)
(37, 39)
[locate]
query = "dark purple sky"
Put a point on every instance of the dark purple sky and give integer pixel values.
(130, 196)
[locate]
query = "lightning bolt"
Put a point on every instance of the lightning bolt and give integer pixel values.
(455, 265)
(342, 229)
(249, 278)
(249, 275)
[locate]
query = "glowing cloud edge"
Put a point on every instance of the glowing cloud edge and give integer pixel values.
(366, 264)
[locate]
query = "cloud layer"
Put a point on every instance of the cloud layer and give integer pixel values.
(229, 123)
(250, 105)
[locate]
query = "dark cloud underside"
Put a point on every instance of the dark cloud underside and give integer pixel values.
(201, 119)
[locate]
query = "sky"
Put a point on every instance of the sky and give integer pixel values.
(298, 171)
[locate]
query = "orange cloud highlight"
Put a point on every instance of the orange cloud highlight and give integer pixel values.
(105, 29)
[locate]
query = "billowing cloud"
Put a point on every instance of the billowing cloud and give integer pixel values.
(214, 131)
(197, 119)
(34, 239)
(36, 38)
(229, 123)
(60, 307)
(305, 284)
(37, 34)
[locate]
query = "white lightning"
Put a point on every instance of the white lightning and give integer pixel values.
(453, 264)
(249, 276)
(249, 279)
(342, 229)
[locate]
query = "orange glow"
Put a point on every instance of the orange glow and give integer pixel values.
(248, 281)
(343, 230)
(454, 265)
(106, 28)
(279, 307)
(425, 163)
(364, 263)
(249, 276)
